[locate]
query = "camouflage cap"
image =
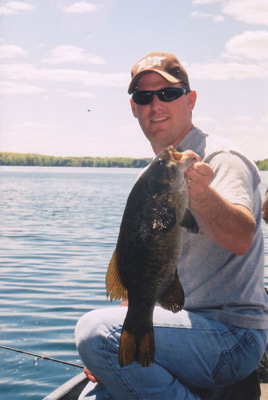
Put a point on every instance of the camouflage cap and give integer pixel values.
(165, 64)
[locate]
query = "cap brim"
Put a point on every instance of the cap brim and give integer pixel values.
(165, 75)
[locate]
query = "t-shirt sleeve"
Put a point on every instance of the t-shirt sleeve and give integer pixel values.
(233, 179)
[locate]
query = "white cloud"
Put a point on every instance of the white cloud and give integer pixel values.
(131, 134)
(244, 119)
(250, 11)
(81, 8)
(35, 127)
(10, 51)
(204, 120)
(223, 71)
(31, 137)
(31, 72)
(265, 119)
(242, 130)
(75, 95)
(206, 71)
(215, 18)
(201, 2)
(11, 88)
(250, 44)
(13, 7)
(64, 53)
(80, 95)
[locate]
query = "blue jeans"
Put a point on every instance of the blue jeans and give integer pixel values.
(191, 351)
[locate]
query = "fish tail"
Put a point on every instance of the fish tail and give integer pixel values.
(146, 349)
(139, 347)
(127, 353)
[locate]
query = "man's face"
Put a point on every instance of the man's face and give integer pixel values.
(163, 123)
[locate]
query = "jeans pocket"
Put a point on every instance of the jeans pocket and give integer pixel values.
(238, 362)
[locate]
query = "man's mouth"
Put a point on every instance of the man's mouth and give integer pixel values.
(159, 119)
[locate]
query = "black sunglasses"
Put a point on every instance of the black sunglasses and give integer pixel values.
(144, 97)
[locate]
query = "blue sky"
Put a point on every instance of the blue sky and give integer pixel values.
(61, 58)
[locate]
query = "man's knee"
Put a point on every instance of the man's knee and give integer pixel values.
(95, 327)
(88, 329)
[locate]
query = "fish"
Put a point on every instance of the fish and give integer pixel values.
(143, 267)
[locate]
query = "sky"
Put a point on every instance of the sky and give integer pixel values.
(65, 69)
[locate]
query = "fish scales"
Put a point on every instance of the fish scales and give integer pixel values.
(143, 268)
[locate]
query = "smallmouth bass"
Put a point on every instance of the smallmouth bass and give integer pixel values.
(143, 268)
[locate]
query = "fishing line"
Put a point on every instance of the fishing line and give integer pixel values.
(39, 356)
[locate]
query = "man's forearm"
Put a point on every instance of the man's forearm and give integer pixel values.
(230, 226)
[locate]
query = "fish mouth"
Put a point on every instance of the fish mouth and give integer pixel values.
(175, 155)
(171, 155)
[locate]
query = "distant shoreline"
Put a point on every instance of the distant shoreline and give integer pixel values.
(31, 160)
(262, 165)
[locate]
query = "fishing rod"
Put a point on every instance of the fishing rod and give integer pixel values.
(39, 356)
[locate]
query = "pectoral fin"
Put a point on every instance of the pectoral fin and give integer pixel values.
(173, 298)
(114, 286)
(189, 222)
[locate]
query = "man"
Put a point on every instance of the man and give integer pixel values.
(220, 336)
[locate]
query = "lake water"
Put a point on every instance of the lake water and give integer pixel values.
(58, 230)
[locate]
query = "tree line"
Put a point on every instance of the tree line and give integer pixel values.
(262, 165)
(28, 159)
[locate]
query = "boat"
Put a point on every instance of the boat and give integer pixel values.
(70, 390)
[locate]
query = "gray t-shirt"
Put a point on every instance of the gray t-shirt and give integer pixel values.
(217, 283)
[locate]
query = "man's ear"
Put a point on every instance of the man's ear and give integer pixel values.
(133, 108)
(191, 96)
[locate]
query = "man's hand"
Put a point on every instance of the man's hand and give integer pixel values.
(265, 207)
(198, 176)
(90, 376)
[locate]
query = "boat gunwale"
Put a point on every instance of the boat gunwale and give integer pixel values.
(77, 383)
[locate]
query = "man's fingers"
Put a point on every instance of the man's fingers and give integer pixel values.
(90, 376)
(198, 177)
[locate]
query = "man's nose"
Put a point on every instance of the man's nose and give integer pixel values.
(156, 103)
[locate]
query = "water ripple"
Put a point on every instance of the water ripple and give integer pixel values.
(58, 230)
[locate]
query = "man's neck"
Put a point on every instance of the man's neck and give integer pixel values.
(157, 148)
